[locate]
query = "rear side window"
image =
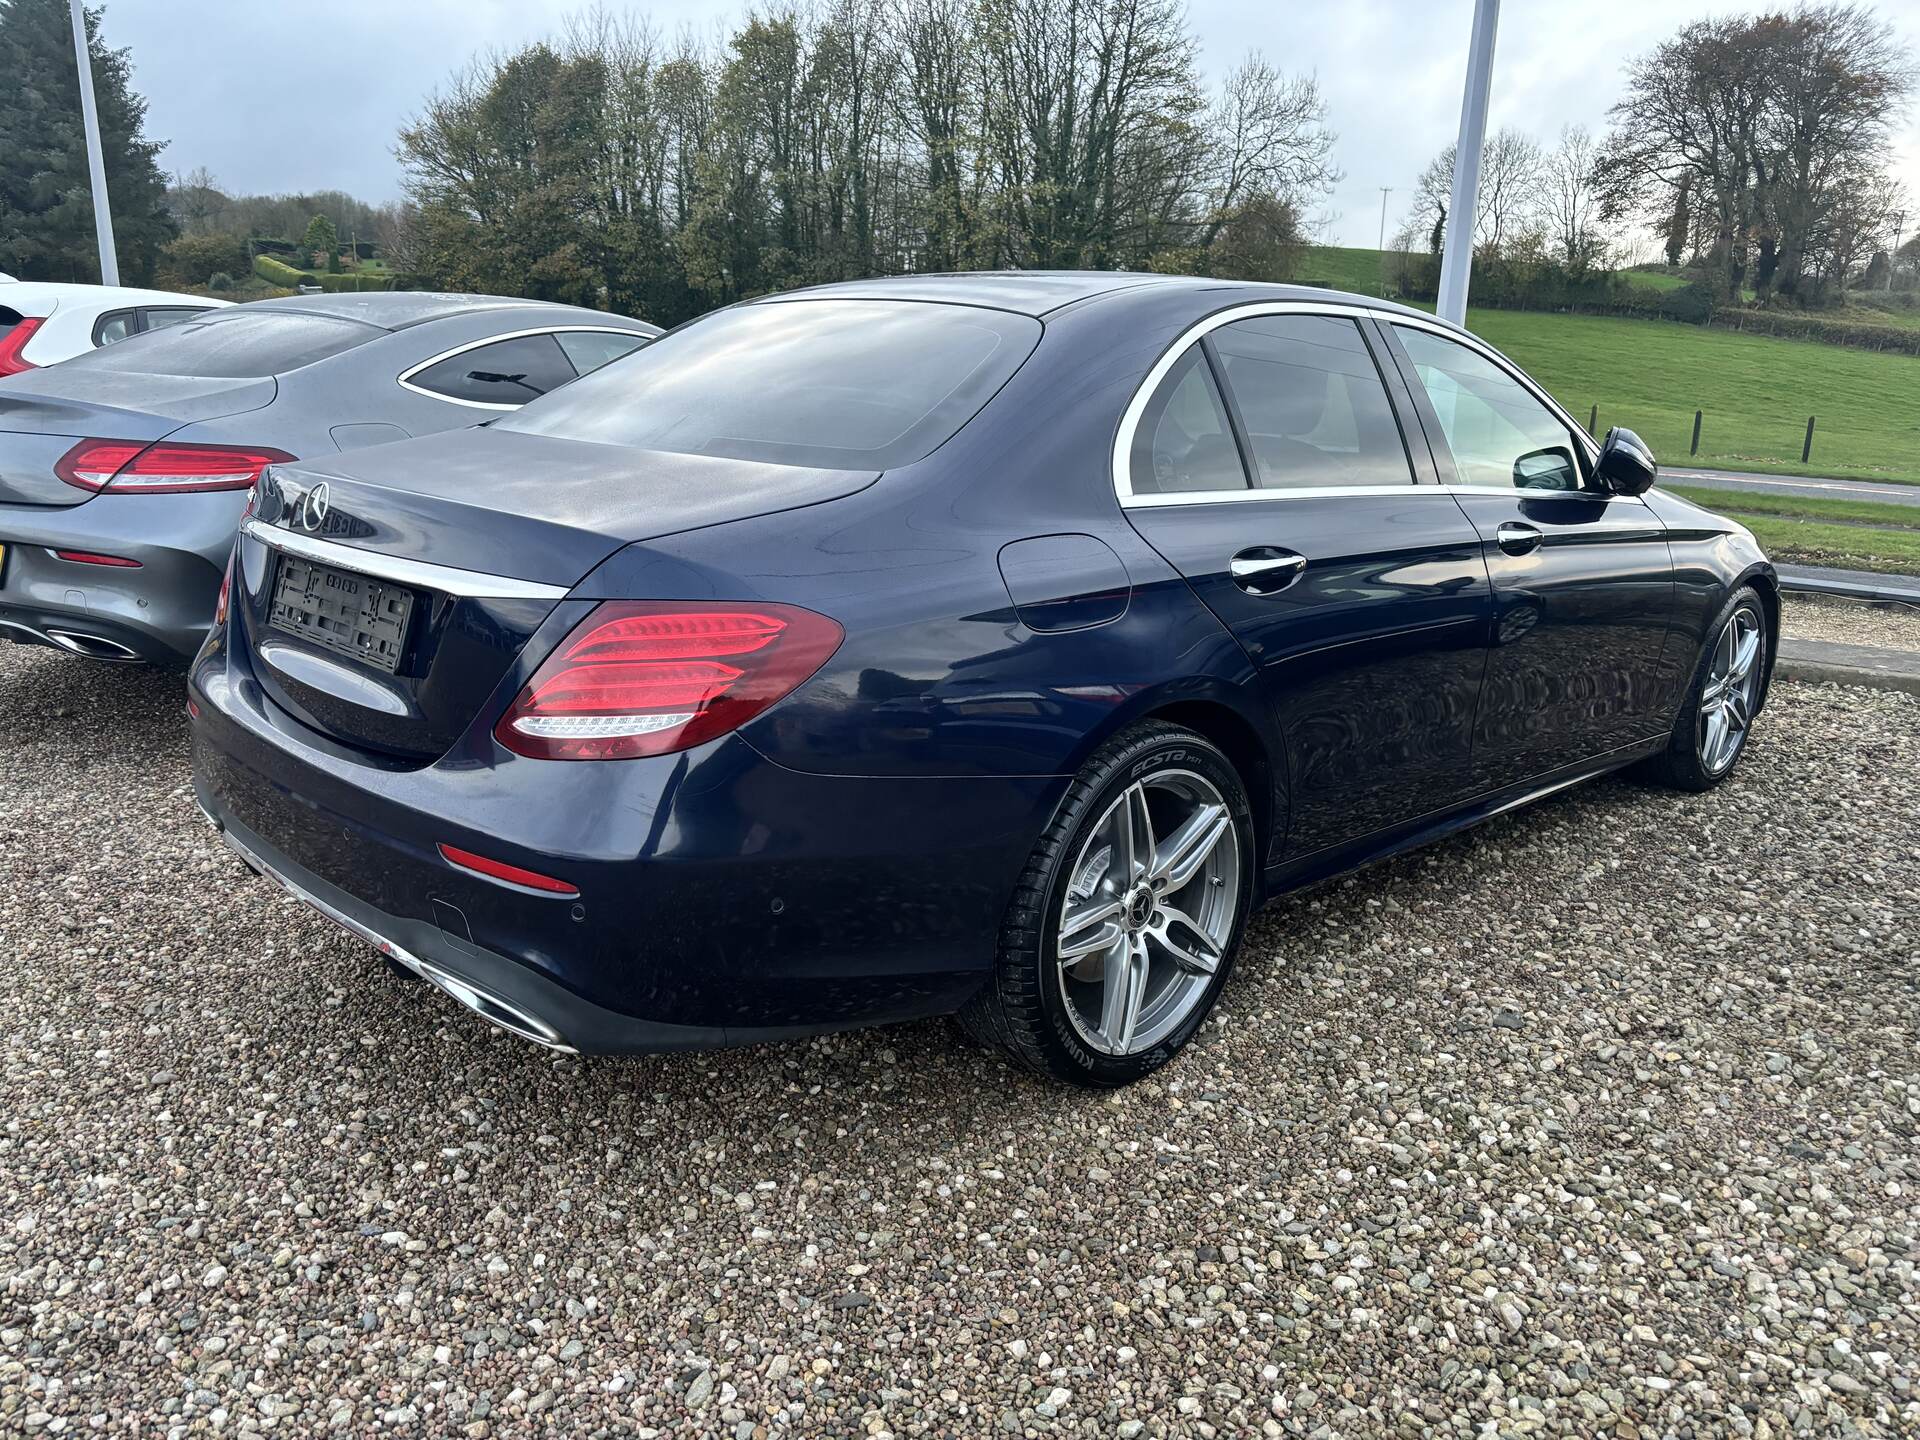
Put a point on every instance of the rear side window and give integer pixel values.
(1311, 401)
(590, 349)
(840, 384)
(507, 373)
(1184, 442)
(115, 325)
(158, 317)
(231, 346)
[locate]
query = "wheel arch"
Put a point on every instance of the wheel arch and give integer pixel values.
(1766, 584)
(1241, 742)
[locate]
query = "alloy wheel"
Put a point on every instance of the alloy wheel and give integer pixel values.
(1732, 688)
(1149, 912)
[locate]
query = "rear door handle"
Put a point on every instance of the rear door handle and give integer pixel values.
(1518, 539)
(1266, 569)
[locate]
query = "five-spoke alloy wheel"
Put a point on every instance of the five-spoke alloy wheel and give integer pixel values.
(1124, 927)
(1150, 908)
(1731, 693)
(1729, 687)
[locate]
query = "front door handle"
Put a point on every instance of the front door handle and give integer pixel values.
(1518, 539)
(1266, 569)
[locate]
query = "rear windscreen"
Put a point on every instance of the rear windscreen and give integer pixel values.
(231, 345)
(839, 384)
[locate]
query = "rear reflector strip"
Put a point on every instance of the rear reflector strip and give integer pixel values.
(500, 870)
(88, 557)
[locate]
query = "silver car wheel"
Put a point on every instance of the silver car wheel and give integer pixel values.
(1732, 688)
(1150, 909)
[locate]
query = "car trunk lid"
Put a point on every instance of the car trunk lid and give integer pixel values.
(45, 413)
(387, 597)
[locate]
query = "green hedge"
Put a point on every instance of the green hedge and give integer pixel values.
(274, 272)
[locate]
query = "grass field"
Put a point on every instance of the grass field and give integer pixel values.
(1852, 534)
(1756, 392)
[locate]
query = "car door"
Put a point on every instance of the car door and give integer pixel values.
(1582, 579)
(1269, 466)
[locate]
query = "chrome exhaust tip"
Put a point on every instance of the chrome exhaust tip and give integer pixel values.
(94, 647)
(501, 1014)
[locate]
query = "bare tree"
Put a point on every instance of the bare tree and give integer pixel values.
(1570, 204)
(1770, 124)
(1269, 138)
(1507, 210)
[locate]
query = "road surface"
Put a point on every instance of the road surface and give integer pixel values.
(1810, 486)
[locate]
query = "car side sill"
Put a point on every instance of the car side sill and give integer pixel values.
(1303, 870)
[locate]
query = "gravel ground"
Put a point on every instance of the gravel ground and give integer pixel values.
(1851, 623)
(1600, 1119)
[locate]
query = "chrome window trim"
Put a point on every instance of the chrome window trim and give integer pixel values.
(1121, 461)
(405, 379)
(425, 575)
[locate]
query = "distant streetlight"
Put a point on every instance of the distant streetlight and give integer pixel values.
(1385, 190)
(1456, 262)
(96, 166)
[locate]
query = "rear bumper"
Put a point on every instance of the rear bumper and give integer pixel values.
(500, 991)
(158, 612)
(722, 899)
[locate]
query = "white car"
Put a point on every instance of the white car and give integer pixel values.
(41, 324)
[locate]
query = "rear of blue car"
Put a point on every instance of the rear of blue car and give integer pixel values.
(502, 704)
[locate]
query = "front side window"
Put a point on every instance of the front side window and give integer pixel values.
(1312, 405)
(588, 350)
(1184, 441)
(505, 373)
(1501, 436)
(840, 384)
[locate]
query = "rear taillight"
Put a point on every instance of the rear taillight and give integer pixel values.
(644, 677)
(226, 593)
(134, 467)
(14, 341)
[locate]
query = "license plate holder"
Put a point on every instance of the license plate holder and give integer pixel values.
(337, 610)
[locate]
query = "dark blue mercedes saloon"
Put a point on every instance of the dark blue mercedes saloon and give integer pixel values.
(988, 643)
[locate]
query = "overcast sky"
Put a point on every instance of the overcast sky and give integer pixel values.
(281, 97)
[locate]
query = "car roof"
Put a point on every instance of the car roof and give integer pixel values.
(29, 296)
(1041, 292)
(399, 309)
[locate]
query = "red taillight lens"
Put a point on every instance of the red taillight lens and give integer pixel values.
(162, 468)
(644, 677)
(12, 362)
(500, 870)
(88, 557)
(226, 593)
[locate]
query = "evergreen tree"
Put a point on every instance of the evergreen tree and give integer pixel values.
(46, 205)
(322, 243)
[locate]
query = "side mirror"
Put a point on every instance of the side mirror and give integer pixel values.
(1626, 464)
(1550, 469)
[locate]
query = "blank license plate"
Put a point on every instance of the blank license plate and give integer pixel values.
(343, 612)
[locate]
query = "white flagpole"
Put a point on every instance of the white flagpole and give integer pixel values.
(1456, 263)
(96, 166)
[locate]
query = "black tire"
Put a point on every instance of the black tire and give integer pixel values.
(1022, 1008)
(1681, 766)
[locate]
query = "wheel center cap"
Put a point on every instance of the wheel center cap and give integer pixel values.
(1139, 908)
